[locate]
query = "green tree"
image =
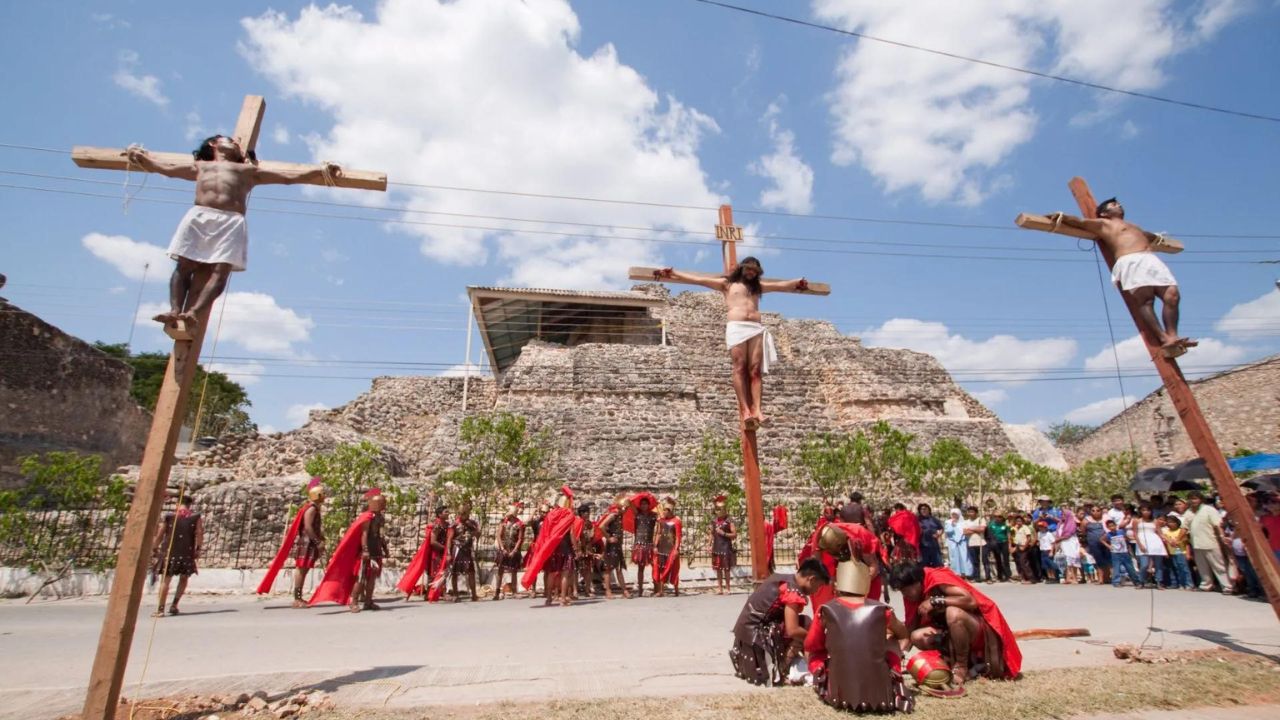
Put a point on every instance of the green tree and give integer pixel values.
(1099, 478)
(950, 473)
(715, 471)
(828, 461)
(877, 461)
(225, 406)
(1066, 432)
(66, 515)
(501, 457)
(348, 472)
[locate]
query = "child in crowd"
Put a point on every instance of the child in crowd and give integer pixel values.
(1047, 541)
(1121, 561)
(1175, 538)
(1090, 566)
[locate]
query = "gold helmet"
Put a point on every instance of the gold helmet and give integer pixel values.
(834, 541)
(669, 503)
(622, 501)
(315, 490)
(853, 577)
(565, 498)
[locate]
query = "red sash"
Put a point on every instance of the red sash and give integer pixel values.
(935, 577)
(673, 560)
(558, 523)
(344, 567)
(290, 537)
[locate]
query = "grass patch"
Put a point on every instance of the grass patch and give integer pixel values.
(1219, 679)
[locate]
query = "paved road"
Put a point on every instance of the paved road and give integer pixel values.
(411, 655)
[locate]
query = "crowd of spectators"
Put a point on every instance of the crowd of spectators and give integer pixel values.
(1162, 542)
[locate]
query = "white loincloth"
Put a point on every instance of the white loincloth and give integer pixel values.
(737, 332)
(211, 236)
(1141, 269)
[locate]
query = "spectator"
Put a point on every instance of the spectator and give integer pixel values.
(1047, 539)
(1271, 524)
(957, 545)
(1151, 550)
(1205, 528)
(1249, 578)
(1090, 568)
(1046, 512)
(998, 545)
(1067, 546)
(930, 537)
(976, 531)
(1121, 562)
(1176, 541)
(1095, 540)
(1023, 540)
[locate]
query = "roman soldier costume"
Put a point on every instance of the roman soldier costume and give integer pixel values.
(759, 640)
(307, 535)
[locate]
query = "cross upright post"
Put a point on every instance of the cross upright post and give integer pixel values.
(112, 656)
(1184, 401)
(729, 236)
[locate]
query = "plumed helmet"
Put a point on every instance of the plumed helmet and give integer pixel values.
(853, 577)
(834, 541)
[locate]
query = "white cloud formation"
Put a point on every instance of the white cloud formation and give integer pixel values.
(1003, 358)
(195, 126)
(792, 178)
(109, 21)
(253, 320)
(1210, 355)
(297, 415)
(460, 370)
(944, 126)
(994, 396)
(280, 135)
(128, 256)
(1257, 318)
(1099, 412)
(247, 373)
(497, 95)
(144, 86)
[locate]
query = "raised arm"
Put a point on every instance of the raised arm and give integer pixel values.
(141, 158)
(304, 174)
(714, 282)
(1097, 227)
(784, 285)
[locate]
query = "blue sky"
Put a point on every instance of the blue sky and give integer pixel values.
(668, 102)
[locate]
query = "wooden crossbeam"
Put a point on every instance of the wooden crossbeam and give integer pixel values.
(652, 274)
(98, 158)
(1044, 223)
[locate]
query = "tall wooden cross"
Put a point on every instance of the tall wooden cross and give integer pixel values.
(121, 619)
(729, 236)
(1184, 401)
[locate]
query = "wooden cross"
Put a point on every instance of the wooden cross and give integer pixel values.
(1184, 401)
(107, 676)
(729, 236)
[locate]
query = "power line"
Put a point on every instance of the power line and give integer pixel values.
(990, 63)
(678, 206)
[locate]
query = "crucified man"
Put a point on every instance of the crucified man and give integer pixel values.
(213, 240)
(1137, 272)
(750, 343)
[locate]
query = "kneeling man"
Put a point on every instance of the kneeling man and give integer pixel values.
(770, 630)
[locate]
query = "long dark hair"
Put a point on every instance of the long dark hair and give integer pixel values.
(753, 285)
(206, 153)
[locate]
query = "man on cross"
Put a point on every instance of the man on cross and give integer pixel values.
(213, 240)
(750, 343)
(1138, 272)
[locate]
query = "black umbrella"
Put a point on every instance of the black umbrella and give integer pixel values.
(1151, 480)
(1191, 470)
(1265, 483)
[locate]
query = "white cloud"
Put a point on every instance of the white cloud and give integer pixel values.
(109, 21)
(333, 255)
(129, 257)
(1099, 412)
(792, 178)
(1003, 358)
(994, 396)
(266, 429)
(460, 370)
(1128, 130)
(1257, 318)
(944, 126)
(146, 87)
(298, 415)
(1210, 355)
(246, 373)
(280, 135)
(195, 126)
(540, 115)
(253, 320)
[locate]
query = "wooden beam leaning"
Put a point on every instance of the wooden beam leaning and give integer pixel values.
(114, 159)
(1044, 223)
(107, 677)
(1198, 430)
(649, 274)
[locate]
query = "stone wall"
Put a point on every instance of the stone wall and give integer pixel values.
(59, 393)
(1242, 407)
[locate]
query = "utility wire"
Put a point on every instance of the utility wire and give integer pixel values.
(989, 63)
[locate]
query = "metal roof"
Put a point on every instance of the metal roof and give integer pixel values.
(510, 318)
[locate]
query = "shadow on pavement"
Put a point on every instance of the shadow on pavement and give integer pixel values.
(371, 675)
(1226, 641)
(190, 613)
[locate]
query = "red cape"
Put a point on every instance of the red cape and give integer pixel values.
(672, 559)
(772, 528)
(558, 523)
(866, 543)
(811, 545)
(290, 537)
(344, 566)
(934, 577)
(905, 524)
(633, 507)
(422, 560)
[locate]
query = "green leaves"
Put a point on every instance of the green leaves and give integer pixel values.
(349, 471)
(717, 462)
(878, 461)
(500, 457)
